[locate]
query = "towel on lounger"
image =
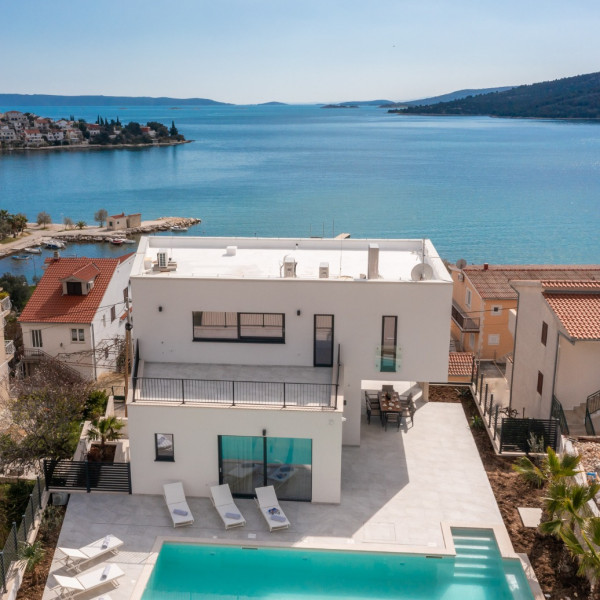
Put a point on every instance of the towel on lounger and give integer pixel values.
(179, 511)
(231, 515)
(105, 572)
(278, 518)
(105, 542)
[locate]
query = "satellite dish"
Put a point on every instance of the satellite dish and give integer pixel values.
(421, 272)
(461, 263)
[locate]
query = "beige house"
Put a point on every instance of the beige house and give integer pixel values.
(123, 221)
(7, 348)
(557, 351)
(483, 299)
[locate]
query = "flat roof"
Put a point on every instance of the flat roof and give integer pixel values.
(265, 258)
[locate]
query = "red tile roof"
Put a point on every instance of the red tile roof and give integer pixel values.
(574, 286)
(578, 311)
(460, 364)
(117, 216)
(85, 273)
(494, 282)
(49, 305)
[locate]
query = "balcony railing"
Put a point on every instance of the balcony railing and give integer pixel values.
(9, 348)
(5, 304)
(465, 323)
(235, 393)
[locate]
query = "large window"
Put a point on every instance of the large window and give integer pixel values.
(323, 339)
(389, 333)
(248, 462)
(74, 288)
(36, 338)
(77, 335)
(164, 447)
(215, 326)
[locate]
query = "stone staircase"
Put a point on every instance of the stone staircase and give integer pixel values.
(576, 420)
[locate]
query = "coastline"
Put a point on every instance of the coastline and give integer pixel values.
(94, 147)
(35, 234)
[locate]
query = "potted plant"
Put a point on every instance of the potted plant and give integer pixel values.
(105, 429)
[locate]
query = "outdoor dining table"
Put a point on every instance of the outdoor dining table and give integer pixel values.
(389, 404)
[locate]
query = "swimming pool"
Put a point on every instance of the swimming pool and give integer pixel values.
(196, 572)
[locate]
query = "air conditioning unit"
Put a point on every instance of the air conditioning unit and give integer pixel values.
(324, 270)
(289, 267)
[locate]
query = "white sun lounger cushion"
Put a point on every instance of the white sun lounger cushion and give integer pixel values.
(223, 501)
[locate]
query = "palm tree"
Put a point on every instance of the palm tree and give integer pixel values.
(32, 554)
(81, 224)
(105, 429)
(553, 468)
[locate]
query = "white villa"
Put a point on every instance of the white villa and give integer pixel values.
(252, 355)
(77, 313)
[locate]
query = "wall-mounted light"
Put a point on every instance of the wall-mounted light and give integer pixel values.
(264, 433)
(160, 309)
(298, 312)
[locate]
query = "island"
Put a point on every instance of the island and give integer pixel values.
(340, 106)
(28, 131)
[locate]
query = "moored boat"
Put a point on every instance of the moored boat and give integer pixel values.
(20, 257)
(33, 250)
(117, 241)
(178, 228)
(54, 245)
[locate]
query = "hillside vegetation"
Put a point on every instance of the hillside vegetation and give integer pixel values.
(570, 98)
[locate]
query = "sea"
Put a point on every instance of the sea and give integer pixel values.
(483, 189)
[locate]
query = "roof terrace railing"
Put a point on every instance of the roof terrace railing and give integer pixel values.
(9, 347)
(462, 320)
(281, 394)
(5, 304)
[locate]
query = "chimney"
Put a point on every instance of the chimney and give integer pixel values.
(485, 266)
(56, 255)
(373, 264)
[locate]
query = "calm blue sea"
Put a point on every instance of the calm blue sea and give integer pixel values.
(495, 190)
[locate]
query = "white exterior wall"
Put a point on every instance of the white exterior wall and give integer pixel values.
(423, 311)
(196, 430)
(577, 372)
(530, 355)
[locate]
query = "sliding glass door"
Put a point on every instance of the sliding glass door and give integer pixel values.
(246, 463)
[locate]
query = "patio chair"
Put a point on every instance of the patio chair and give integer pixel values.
(408, 407)
(222, 500)
(76, 558)
(387, 389)
(372, 410)
(393, 417)
(266, 498)
(178, 507)
(71, 587)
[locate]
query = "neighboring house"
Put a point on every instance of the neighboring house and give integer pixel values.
(123, 221)
(33, 136)
(253, 355)
(77, 313)
(17, 119)
(93, 129)
(55, 135)
(483, 298)
(557, 349)
(42, 123)
(7, 134)
(74, 135)
(461, 367)
(7, 348)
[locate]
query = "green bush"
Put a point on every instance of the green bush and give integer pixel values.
(95, 405)
(14, 497)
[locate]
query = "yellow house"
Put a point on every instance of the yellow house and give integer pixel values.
(482, 301)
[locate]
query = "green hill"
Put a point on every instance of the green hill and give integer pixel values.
(570, 98)
(52, 100)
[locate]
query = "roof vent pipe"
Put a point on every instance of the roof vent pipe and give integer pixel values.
(485, 266)
(373, 265)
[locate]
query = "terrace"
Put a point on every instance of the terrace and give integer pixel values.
(399, 491)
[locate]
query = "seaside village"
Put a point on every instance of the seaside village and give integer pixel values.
(330, 394)
(27, 130)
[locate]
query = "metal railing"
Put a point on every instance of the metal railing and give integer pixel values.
(82, 475)
(558, 413)
(5, 304)
(236, 393)
(9, 347)
(36, 355)
(18, 534)
(592, 405)
(463, 321)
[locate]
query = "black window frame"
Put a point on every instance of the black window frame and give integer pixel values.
(113, 314)
(540, 383)
(36, 336)
(72, 288)
(544, 338)
(329, 363)
(383, 344)
(240, 337)
(157, 457)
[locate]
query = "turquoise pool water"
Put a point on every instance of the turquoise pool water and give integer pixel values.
(194, 572)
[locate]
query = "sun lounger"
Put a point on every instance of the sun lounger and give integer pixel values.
(178, 507)
(76, 558)
(223, 501)
(70, 587)
(266, 498)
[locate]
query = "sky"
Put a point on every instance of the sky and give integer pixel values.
(300, 51)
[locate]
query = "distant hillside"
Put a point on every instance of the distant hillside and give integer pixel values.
(50, 100)
(367, 102)
(456, 96)
(570, 98)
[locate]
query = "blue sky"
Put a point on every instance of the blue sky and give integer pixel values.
(248, 51)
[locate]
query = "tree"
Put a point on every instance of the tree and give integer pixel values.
(553, 468)
(44, 413)
(81, 224)
(161, 130)
(44, 219)
(68, 222)
(100, 216)
(20, 222)
(106, 429)
(173, 131)
(17, 288)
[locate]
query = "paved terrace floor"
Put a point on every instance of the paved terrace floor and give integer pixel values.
(397, 489)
